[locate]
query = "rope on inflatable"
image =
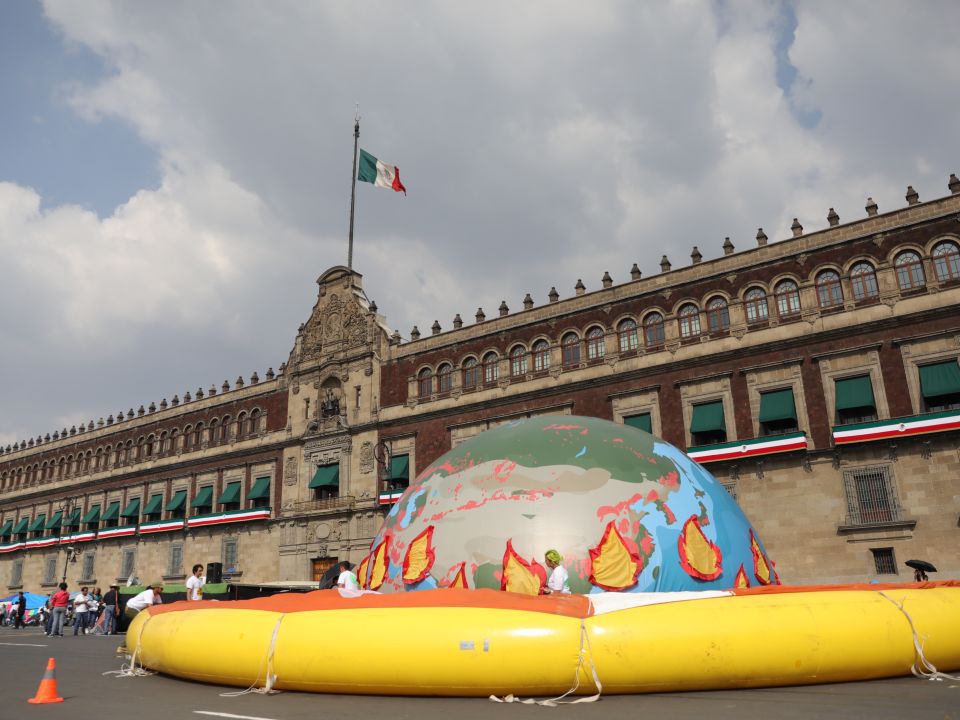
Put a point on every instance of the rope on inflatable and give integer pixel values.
(135, 668)
(271, 677)
(555, 702)
(921, 668)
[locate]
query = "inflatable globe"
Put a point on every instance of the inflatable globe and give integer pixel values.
(627, 511)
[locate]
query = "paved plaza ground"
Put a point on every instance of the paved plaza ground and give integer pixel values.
(88, 693)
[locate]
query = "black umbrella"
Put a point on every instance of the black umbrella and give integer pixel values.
(329, 578)
(921, 568)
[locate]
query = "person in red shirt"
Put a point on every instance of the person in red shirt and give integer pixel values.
(59, 603)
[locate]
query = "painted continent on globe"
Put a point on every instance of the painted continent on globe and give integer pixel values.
(627, 511)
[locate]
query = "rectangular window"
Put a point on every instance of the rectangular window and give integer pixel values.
(231, 560)
(940, 386)
(203, 502)
(50, 570)
(778, 413)
(175, 561)
(871, 496)
(855, 401)
(87, 570)
(230, 497)
(177, 507)
(154, 507)
(884, 561)
(259, 495)
(326, 482)
(127, 564)
(707, 426)
(399, 472)
(16, 573)
(641, 421)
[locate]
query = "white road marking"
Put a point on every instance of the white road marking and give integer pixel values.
(230, 715)
(23, 644)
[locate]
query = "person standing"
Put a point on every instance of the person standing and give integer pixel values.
(81, 611)
(150, 596)
(195, 583)
(21, 610)
(558, 580)
(59, 605)
(347, 579)
(111, 603)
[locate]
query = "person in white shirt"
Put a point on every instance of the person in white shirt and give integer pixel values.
(81, 607)
(558, 580)
(195, 583)
(150, 596)
(347, 579)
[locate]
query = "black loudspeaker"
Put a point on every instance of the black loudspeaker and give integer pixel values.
(214, 572)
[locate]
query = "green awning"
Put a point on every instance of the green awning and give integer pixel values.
(7, 528)
(641, 422)
(74, 518)
(855, 392)
(93, 514)
(55, 521)
(112, 512)
(204, 498)
(230, 494)
(777, 405)
(38, 524)
(708, 418)
(260, 489)
(326, 476)
(400, 467)
(132, 510)
(154, 506)
(177, 501)
(940, 379)
(21, 526)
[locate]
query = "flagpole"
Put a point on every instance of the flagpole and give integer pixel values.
(353, 185)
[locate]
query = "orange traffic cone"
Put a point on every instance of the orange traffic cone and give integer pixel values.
(47, 692)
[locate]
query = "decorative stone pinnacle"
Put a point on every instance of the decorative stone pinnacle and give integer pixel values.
(695, 256)
(761, 237)
(606, 280)
(797, 228)
(186, 397)
(373, 306)
(727, 246)
(239, 382)
(912, 196)
(871, 207)
(175, 401)
(527, 302)
(833, 218)
(415, 333)
(580, 288)
(457, 322)
(664, 264)
(553, 295)
(270, 374)
(435, 328)
(254, 378)
(635, 273)
(152, 408)
(503, 309)
(480, 316)
(953, 184)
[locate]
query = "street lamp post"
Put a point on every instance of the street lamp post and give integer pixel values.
(71, 558)
(67, 508)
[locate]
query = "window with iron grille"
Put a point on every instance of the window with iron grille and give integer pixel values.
(871, 496)
(884, 561)
(230, 555)
(175, 563)
(88, 559)
(16, 573)
(127, 564)
(50, 570)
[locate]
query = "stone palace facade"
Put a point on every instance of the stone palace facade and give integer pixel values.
(816, 377)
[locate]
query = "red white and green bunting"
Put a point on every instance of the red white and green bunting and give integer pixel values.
(228, 517)
(379, 173)
(391, 496)
(160, 526)
(901, 427)
(749, 448)
(117, 532)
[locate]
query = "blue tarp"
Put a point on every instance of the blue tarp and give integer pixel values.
(34, 601)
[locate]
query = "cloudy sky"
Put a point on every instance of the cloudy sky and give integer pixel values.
(175, 176)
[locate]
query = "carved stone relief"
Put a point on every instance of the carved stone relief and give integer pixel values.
(290, 472)
(366, 457)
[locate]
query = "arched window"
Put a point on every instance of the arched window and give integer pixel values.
(718, 315)
(541, 356)
(829, 292)
(256, 418)
(242, 428)
(471, 373)
(909, 271)
(445, 378)
(491, 367)
(788, 298)
(595, 343)
(424, 383)
(689, 318)
(518, 361)
(653, 332)
(214, 431)
(627, 335)
(863, 280)
(946, 261)
(140, 447)
(755, 302)
(570, 346)
(198, 435)
(174, 437)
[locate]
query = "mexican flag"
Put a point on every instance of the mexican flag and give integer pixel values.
(379, 173)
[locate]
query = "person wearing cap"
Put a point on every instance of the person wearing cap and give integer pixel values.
(111, 602)
(557, 582)
(150, 596)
